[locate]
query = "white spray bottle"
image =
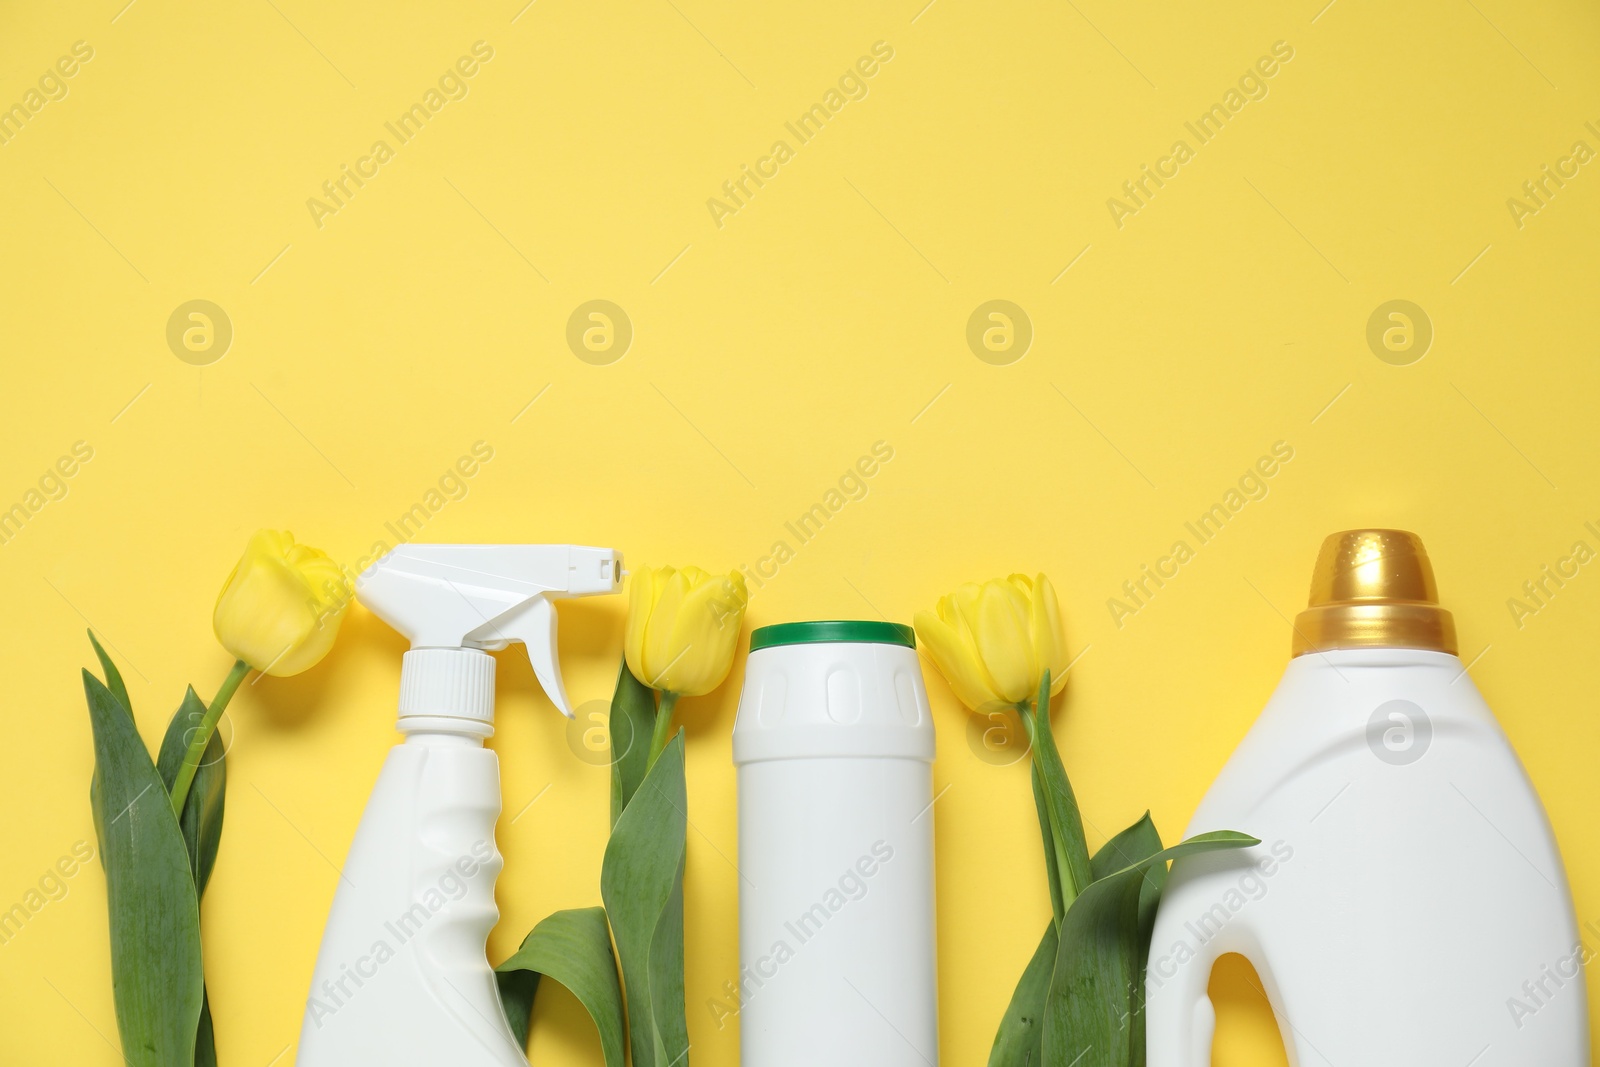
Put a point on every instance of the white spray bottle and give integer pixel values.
(402, 978)
(1407, 906)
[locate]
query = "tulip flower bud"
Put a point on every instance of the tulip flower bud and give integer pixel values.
(683, 627)
(280, 609)
(993, 642)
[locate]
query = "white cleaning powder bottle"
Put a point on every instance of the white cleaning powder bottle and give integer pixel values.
(402, 979)
(834, 745)
(1407, 906)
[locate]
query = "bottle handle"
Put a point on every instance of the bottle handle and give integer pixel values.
(1180, 1020)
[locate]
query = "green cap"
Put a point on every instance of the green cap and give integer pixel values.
(854, 630)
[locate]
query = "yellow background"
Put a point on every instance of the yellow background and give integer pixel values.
(827, 314)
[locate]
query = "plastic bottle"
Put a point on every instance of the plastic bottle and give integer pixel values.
(834, 746)
(1407, 906)
(402, 979)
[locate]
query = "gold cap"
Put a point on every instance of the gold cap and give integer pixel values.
(1373, 589)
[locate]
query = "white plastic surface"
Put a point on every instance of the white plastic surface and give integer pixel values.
(448, 682)
(483, 597)
(402, 979)
(1407, 906)
(834, 744)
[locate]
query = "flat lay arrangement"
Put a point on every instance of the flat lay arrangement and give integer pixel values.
(694, 534)
(834, 744)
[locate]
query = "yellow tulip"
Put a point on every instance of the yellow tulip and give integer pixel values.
(993, 642)
(281, 607)
(683, 627)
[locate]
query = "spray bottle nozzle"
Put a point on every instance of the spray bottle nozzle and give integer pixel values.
(482, 598)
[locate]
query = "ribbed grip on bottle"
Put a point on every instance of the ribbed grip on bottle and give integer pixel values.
(456, 683)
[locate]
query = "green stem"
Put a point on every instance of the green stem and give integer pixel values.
(202, 736)
(1038, 735)
(663, 728)
(1052, 870)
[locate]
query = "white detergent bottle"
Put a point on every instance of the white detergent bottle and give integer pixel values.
(1407, 905)
(834, 743)
(402, 979)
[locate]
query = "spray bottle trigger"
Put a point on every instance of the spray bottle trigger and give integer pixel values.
(535, 627)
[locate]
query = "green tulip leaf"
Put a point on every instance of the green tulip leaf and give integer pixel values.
(113, 676)
(633, 716)
(150, 892)
(517, 990)
(1089, 1013)
(202, 809)
(205, 1038)
(1128, 848)
(201, 823)
(1132, 846)
(1017, 1044)
(641, 881)
(671, 1038)
(574, 948)
(1021, 1030)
